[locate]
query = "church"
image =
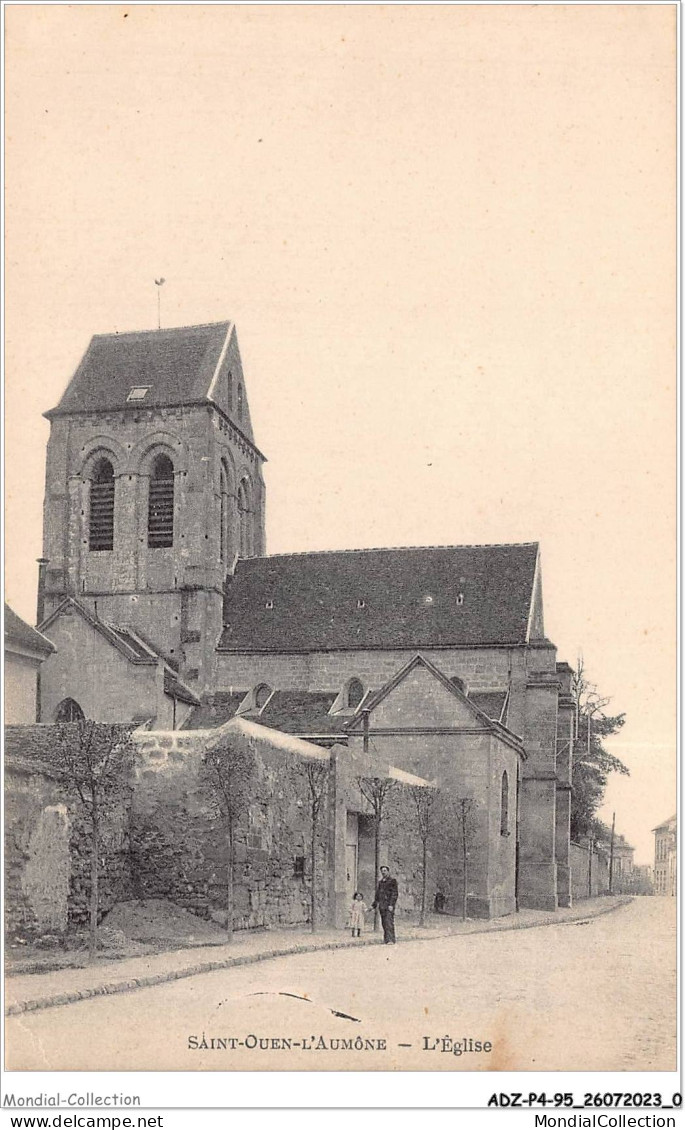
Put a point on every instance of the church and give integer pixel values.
(164, 609)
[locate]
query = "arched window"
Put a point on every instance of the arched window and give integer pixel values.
(224, 531)
(504, 809)
(229, 389)
(262, 695)
(101, 522)
(69, 711)
(160, 510)
(355, 693)
(239, 405)
(245, 517)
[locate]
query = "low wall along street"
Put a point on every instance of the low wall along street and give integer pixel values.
(589, 876)
(165, 837)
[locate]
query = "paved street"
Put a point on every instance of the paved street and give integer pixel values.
(597, 996)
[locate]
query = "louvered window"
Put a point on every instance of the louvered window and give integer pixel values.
(160, 511)
(101, 526)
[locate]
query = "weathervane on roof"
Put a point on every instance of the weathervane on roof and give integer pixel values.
(159, 284)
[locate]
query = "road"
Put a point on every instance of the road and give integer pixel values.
(596, 996)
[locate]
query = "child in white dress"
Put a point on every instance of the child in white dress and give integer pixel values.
(357, 912)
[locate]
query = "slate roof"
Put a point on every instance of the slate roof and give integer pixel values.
(411, 599)
(293, 712)
(301, 712)
(491, 703)
(18, 632)
(214, 710)
(177, 364)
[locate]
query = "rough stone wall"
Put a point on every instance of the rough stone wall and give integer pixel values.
(178, 837)
(47, 840)
(37, 863)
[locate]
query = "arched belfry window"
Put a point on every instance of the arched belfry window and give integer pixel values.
(355, 693)
(69, 711)
(160, 511)
(229, 390)
(245, 517)
(101, 522)
(239, 405)
(504, 809)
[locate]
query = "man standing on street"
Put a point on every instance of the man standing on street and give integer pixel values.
(385, 900)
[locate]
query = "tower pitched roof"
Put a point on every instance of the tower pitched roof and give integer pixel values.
(438, 596)
(161, 369)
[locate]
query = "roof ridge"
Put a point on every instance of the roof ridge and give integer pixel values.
(164, 329)
(392, 549)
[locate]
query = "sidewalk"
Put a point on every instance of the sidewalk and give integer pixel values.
(28, 992)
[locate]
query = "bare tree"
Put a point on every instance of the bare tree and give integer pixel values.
(465, 808)
(375, 790)
(423, 797)
(316, 776)
(96, 759)
(230, 773)
(591, 762)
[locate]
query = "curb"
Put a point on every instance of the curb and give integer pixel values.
(111, 988)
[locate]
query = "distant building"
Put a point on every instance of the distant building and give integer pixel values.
(25, 650)
(641, 880)
(622, 865)
(665, 839)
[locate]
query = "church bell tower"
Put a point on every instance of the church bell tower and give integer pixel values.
(154, 488)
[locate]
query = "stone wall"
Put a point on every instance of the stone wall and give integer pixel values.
(480, 668)
(37, 859)
(581, 879)
(21, 687)
(173, 595)
(47, 840)
(425, 728)
(105, 684)
(178, 836)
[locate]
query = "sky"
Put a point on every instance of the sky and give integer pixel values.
(446, 235)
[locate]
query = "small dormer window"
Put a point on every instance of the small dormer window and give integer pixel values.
(138, 392)
(355, 693)
(269, 604)
(460, 598)
(262, 695)
(361, 603)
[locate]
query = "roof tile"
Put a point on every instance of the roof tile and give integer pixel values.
(438, 596)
